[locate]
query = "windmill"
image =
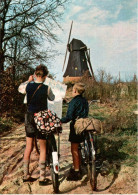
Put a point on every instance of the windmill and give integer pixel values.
(78, 62)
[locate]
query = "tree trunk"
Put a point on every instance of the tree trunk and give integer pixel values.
(1, 53)
(14, 62)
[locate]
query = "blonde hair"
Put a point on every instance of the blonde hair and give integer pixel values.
(80, 87)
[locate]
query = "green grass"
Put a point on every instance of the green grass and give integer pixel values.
(98, 112)
(100, 116)
(134, 107)
(64, 109)
(118, 149)
(118, 145)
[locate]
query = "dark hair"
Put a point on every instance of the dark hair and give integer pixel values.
(41, 70)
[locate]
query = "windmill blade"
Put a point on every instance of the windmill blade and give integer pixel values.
(67, 43)
(65, 59)
(88, 58)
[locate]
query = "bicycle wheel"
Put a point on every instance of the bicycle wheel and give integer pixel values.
(92, 175)
(54, 175)
(82, 154)
(55, 181)
(91, 165)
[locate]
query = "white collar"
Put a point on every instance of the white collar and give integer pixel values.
(38, 82)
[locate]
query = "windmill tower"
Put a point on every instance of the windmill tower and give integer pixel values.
(78, 62)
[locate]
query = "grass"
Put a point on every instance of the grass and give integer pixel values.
(121, 149)
(118, 145)
(64, 109)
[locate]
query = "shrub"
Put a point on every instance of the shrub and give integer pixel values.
(106, 88)
(121, 118)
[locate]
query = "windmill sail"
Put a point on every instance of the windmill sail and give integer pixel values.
(68, 43)
(88, 58)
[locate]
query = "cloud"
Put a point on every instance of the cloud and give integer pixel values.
(94, 15)
(109, 44)
(76, 9)
(115, 15)
(112, 41)
(119, 37)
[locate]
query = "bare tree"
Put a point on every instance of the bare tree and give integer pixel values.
(24, 25)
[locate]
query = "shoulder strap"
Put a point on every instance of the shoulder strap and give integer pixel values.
(34, 93)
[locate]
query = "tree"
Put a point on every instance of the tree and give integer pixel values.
(24, 25)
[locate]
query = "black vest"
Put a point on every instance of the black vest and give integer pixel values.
(39, 100)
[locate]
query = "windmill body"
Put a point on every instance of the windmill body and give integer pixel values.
(77, 63)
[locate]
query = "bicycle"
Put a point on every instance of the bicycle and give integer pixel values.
(88, 156)
(87, 150)
(51, 149)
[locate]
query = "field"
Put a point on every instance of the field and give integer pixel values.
(117, 145)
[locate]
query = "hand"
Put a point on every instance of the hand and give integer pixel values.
(31, 78)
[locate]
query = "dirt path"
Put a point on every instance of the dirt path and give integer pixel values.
(11, 170)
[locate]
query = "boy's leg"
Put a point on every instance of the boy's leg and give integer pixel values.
(74, 174)
(75, 156)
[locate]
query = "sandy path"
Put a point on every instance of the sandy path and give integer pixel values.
(12, 147)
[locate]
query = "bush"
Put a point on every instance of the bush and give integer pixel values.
(5, 124)
(122, 118)
(108, 89)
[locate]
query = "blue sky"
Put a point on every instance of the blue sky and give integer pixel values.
(108, 28)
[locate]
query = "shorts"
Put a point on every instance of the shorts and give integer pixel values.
(30, 127)
(73, 137)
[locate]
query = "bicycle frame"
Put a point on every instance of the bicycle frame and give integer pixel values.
(53, 153)
(52, 159)
(93, 152)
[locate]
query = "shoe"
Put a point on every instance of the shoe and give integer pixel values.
(29, 179)
(72, 170)
(45, 182)
(74, 176)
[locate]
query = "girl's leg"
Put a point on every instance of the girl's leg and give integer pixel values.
(42, 159)
(27, 153)
(75, 155)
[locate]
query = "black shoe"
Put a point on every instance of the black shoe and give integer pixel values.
(29, 179)
(72, 170)
(45, 182)
(74, 176)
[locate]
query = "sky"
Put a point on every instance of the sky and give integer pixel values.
(108, 28)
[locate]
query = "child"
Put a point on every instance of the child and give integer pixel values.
(78, 107)
(36, 103)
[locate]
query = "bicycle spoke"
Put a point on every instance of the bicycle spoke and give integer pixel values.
(90, 158)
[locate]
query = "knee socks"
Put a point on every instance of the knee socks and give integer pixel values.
(26, 168)
(42, 166)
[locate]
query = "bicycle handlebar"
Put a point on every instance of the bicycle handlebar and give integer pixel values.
(94, 101)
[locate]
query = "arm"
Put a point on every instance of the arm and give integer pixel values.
(22, 86)
(70, 113)
(51, 96)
